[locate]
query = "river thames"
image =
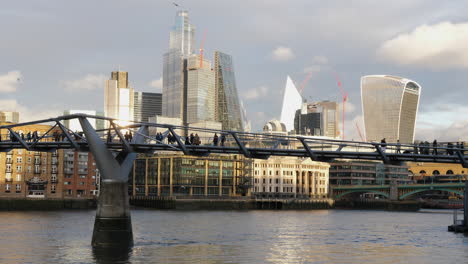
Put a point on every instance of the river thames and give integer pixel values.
(322, 236)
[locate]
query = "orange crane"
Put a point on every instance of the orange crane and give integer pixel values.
(345, 98)
(202, 44)
(303, 84)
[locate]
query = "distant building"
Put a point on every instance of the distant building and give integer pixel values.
(275, 127)
(390, 105)
(74, 124)
(146, 105)
(317, 119)
(367, 173)
(179, 175)
(201, 94)
(290, 177)
(292, 101)
(118, 97)
(30, 173)
(80, 174)
(8, 116)
(228, 109)
(181, 43)
(421, 170)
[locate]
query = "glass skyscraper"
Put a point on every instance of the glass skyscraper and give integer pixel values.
(181, 42)
(146, 105)
(227, 110)
(389, 105)
(118, 97)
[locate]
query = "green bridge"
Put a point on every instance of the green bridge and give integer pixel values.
(397, 192)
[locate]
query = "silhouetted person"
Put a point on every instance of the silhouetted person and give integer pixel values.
(187, 141)
(109, 136)
(223, 139)
(197, 140)
(462, 147)
(398, 146)
(192, 138)
(28, 136)
(449, 148)
(215, 140)
(383, 144)
(130, 136)
(434, 147)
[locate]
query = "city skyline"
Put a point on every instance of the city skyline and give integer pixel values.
(260, 67)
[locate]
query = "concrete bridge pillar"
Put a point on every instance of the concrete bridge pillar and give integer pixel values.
(112, 225)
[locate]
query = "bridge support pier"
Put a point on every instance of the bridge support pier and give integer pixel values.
(112, 226)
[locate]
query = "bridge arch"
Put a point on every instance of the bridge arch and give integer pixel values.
(435, 189)
(386, 195)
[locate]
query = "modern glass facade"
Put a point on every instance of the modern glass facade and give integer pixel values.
(146, 105)
(228, 110)
(367, 173)
(390, 106)
(200, 91)
(181, 43)
(177, 175)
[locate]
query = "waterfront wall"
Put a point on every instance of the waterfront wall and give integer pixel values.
(46, 204)
(371, 204)
(230, 204)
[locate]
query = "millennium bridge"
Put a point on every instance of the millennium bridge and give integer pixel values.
(114, 152)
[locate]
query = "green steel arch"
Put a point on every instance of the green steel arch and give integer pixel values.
(363, 191)
(435, 189)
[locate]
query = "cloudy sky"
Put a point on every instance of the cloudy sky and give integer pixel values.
(56, 54)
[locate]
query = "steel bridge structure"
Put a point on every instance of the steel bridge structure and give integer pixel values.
(114, 153)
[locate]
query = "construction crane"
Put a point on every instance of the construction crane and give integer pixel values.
(359, 131)
(202, 44)
(344, 96)
(303, 83)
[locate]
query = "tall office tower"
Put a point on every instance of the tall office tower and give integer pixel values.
(146, 105)
(118, 97)
(317, 119)
(292, 101)
(74, 124)
(8, 116)
(390, 106)
(181, 42)
(228, 110)
(200, 91)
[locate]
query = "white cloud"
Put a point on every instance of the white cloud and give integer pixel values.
(30, 113)
(9, 81)
(157, 83)
(320, 59)
(439, 46)
(282, 54)
(89, 82)
(256, 93)
(443, 122)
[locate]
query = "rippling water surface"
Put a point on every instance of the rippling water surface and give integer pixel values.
(324, 236)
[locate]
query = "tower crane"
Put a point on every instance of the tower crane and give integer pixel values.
(344, 96)
(304, 82)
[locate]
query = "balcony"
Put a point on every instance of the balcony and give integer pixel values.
(8, 170)
(8, 179)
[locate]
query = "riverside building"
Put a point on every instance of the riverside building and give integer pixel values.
(349, 172)
(179, 175)
(389, 105)
(288, 177)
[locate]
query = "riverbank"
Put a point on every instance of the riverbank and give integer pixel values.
(230, 203)
(371, 204)
(32, 204)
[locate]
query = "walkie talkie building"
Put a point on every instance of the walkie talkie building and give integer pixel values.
(390, 106)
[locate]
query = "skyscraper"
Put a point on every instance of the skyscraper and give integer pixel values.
(292, 101)
(118, 97)
(8, 116)
(181, 42)
(200, 91)
(389, 105)
(146, 105)
(317, 119)
(228, 110)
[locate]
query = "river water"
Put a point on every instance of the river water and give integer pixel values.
(321, 236)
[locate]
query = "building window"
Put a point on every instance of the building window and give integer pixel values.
(18, 177)
(19, 159)
(18, 188)
(18, 168)
(7, 187)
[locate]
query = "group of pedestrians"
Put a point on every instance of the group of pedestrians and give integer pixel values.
(30, 136)
(427, 148)
(216, 139)
(193, 140)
